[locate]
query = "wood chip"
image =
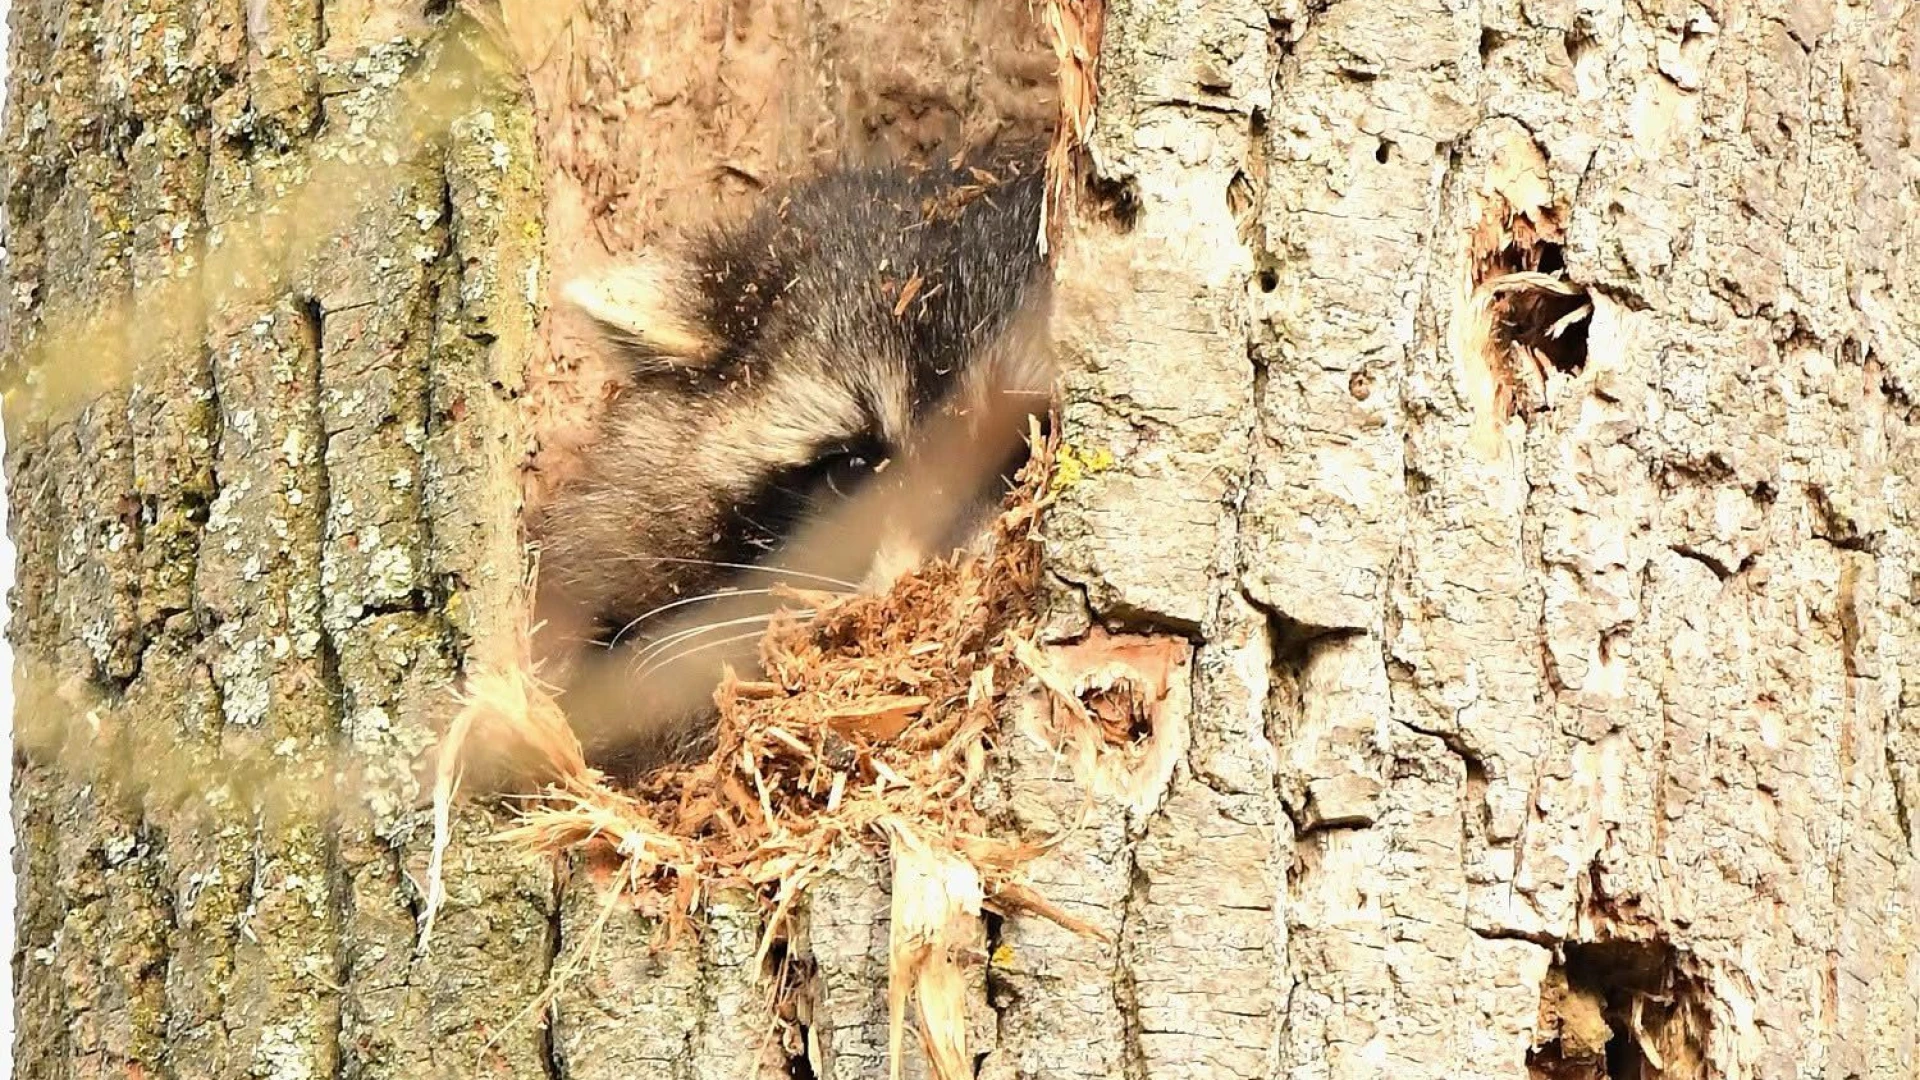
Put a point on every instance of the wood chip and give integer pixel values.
(880, 719)
(907, 293)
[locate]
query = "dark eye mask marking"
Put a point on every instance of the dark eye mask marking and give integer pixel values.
(786, 498)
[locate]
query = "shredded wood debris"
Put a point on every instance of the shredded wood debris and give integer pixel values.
(935, 923)
(870, 717)
(1074, 27)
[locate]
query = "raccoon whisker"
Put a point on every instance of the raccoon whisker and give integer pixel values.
(655, 648)
(718, 594)
(663, 664)
(753, 568)
(768, 538)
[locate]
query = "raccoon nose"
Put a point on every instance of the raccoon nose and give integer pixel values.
(897, 553)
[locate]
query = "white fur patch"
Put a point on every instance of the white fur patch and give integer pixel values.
(643, 303)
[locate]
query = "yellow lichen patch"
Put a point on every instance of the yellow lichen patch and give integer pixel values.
(1072, 465)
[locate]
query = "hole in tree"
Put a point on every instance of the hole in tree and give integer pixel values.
(1539, 321)
(1621, 1010)
(1528, 323)
(1490, 41)
(1123, 711)
(1116, 199)
(793, 978)
(1240, 198)
(1579, 45)
(799, 1067)
(1545, 321)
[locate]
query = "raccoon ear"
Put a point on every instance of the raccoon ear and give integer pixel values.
(646, 308)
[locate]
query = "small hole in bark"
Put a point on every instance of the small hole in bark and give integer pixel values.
(1531, 320)
(1116, 199)
(1490, 41)
(1269, 279)
(1608, 647)
(1280, 33)
(238, 140)
(1124, 711)
(799, 1068)
(1620, 1010)
(793, 978)
(1384, 152)
(1476, 788)
(1526, 326)
(1550, 323)
(1240, 198)
(1578, 44)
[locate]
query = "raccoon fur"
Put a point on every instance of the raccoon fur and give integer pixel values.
(812, 392)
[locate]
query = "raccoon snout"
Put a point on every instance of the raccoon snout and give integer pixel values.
(897, 554)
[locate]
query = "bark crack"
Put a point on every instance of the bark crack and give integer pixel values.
(1126, 992)
(553, 1058)
(333, 687)
(1719, 568)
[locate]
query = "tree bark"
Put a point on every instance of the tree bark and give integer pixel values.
(1553, 720)
(253, 566)
(1496, 426)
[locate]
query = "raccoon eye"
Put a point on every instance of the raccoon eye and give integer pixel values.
(843, 471)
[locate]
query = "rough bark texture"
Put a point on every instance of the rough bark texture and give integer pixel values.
(263, 556)
(1555, 720)
(1559, 722)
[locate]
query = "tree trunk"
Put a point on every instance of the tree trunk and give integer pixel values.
(256, 561)
(1494, 435)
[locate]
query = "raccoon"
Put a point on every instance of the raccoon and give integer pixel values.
(819, 397)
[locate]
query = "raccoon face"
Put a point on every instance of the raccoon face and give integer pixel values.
(821, 398)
